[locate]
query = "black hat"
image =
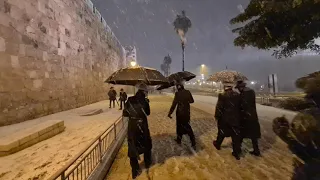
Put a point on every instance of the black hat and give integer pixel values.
(241, 84)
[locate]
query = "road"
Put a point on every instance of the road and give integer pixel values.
(172, 161)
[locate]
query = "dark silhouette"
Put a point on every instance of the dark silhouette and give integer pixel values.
(307, 151)
(139, 140)
(123, 98)
(182, 99)
(165, 66)
(250, 126)
(228, 117)
(181, 25)
(112, 97)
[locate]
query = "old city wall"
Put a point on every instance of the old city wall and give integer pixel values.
(54, 56)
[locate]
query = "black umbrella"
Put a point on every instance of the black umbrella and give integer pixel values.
(133, 75)
(177, 77)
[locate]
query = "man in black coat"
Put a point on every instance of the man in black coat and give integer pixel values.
(112, 96)
(250, 126)
(123, 97)
(139, 140)
(182, 99)
(228, 117)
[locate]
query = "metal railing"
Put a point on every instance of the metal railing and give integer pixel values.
(83, 164)
(264, 100)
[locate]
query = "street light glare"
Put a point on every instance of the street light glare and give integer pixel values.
(133, 63)
(202, 65)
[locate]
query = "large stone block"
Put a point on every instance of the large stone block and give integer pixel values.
(2, 44)
(5, 60)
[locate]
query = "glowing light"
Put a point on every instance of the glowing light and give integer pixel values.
(133, 63)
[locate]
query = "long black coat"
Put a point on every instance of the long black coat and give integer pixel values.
(123, 96)
(112, 94)
(183, 98)
(228, 112)
(249, 117)
(137, 109)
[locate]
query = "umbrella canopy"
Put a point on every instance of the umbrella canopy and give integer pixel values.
(133, 75)
(177, 77)
(227, 76)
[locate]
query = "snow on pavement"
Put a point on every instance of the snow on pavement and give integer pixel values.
(178, 162)
(265, 112)
(45, 158)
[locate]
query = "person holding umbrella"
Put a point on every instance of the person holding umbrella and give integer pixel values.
(250, 126)
(123, 98)
(139, 140)
(228, 118)
(182, 98)
(112, 97)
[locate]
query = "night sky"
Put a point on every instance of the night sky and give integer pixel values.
(147, 24)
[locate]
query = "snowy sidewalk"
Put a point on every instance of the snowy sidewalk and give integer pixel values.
(45, 158)
(172, 161)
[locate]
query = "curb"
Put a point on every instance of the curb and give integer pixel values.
(93, 112)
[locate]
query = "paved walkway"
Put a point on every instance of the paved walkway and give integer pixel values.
(45, 158)
(181, 163)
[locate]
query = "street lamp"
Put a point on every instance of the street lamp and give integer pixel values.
(181, 24)
(133, 63)
(202, 65)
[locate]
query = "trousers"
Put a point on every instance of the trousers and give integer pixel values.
(135, 163)
(235, 136)
(114, 103)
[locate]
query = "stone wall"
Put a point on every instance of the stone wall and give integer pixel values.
(54, 56)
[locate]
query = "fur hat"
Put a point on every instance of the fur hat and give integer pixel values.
(228, 84)
(241, 84)
(142, 86)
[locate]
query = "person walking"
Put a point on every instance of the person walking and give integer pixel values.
(228, 119)
(139, 140)
(183, 98)
(112, 97)
(250, 126)
(123, 98)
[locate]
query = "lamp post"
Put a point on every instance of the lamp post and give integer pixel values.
(203, 69)
(133, 64)
(181, 25)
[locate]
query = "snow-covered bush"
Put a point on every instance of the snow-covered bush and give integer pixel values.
(295, 104)
(281, 126)
(306, 127)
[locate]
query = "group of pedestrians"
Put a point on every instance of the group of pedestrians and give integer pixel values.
(235, 114)
(113, 98)
(237, 118)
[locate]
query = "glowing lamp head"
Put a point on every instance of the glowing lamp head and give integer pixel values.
(133, 63)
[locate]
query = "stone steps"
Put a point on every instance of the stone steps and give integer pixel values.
(19, 140)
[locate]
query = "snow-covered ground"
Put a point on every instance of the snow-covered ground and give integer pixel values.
(172, 161)
(264, 112)
(45, 158)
